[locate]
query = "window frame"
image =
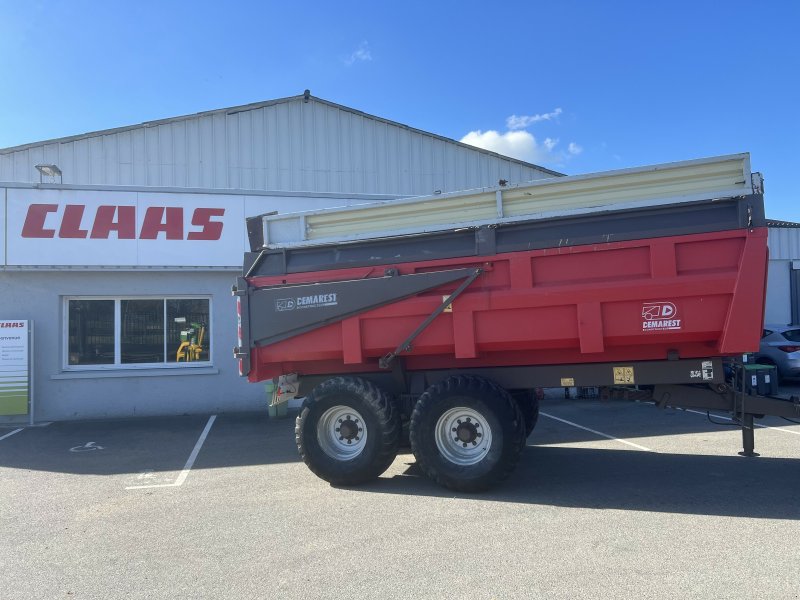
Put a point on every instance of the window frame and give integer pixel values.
(120, 366)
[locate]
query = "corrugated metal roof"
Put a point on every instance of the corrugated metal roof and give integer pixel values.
(285, 144)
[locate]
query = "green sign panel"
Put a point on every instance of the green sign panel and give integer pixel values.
(15, 384)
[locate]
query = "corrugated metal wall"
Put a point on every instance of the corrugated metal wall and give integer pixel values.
(287, 145)
(784, 243)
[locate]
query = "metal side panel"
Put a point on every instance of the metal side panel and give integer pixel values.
(281, 312)
(720, 177)
(613, 226)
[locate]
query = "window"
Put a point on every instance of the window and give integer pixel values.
(793, 335)
(131, 332)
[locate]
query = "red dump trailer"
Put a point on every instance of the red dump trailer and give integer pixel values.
(445, 313)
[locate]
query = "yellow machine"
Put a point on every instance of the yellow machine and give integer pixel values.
(191, 346)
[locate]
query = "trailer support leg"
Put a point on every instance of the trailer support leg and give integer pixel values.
(748, 437)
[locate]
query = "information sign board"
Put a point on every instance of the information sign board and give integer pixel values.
(15, 377)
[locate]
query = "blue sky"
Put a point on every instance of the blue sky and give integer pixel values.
(575, 86)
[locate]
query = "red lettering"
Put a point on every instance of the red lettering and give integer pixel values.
(71, 222)
(154, 223)
(34, 221)
(122, 221)
(211, 230)
(104, 222)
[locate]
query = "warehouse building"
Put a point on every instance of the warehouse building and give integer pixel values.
(783, 281)
(119, 247)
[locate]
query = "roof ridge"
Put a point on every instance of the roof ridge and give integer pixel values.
(254, 106)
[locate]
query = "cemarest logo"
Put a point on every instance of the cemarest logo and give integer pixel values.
(660, 316)
(49, 221)
(301, 302)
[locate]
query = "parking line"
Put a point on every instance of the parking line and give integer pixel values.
(189, 462)
(600, 433)
(8, 435)
(697, 412)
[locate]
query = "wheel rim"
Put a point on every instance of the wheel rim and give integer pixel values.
(342, 433)
(463, 436)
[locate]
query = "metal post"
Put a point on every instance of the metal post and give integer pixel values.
(748, 437)
(31, 375)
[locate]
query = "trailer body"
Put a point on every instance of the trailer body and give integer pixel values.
(653, 263)
(685, 296)
(651, 276)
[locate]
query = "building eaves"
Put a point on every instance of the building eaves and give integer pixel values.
(256, 105)
(782, 224)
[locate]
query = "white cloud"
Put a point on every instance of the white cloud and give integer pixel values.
(360, 54)
(525, 121)
(550, 143)
(574, 149)
(517, 144)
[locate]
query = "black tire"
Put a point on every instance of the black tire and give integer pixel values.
(381, 420)
(490, 403)
(405, 433)
(529, 406)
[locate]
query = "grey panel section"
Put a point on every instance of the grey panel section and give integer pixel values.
(281, 312)
(388, 251)
(778, 309)
(62, 395)
(640, 223)
(716, 215)
(287, 144)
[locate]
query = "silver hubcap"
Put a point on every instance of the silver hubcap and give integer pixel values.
(341, 433)
(463, 436)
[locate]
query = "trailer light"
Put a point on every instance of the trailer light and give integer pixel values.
(789, 348)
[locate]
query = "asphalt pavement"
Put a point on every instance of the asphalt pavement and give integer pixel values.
(611, 499)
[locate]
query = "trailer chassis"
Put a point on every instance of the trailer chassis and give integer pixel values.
(699, 384)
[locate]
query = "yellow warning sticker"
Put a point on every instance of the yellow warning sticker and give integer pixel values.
(567, 382)
(449, 306)
(623, 376)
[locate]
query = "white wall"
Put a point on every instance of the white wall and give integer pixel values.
(56, 227)
(784, 254)
(779, 305)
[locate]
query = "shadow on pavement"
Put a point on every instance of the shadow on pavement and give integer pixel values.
(732, 486)
(153, 443)
(631, 420)
(546, 475)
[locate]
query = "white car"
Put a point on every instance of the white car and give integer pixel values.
(780, 346)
